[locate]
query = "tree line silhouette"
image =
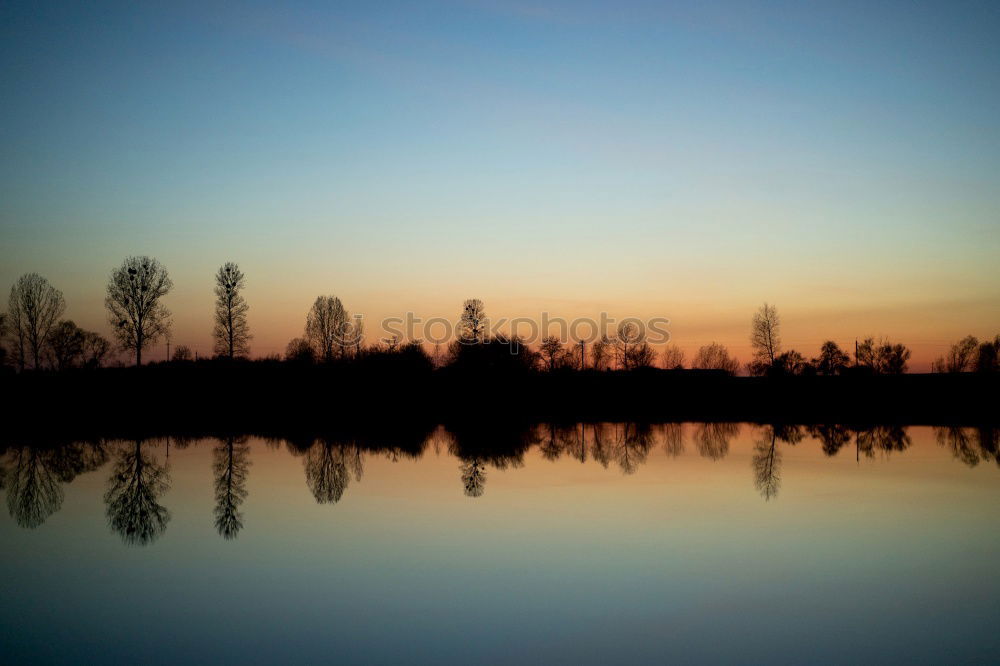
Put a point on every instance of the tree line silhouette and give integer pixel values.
(52, 366)
(33, 473)
(33, 335)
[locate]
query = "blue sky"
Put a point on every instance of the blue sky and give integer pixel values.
(687, 160)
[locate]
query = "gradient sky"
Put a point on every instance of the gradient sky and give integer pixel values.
(840, 160)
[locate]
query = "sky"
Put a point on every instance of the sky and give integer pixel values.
(644, 159)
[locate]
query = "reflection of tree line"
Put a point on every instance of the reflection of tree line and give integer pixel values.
(971, 445)
(33, 476)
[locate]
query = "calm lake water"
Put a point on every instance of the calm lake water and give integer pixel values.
(613, 543)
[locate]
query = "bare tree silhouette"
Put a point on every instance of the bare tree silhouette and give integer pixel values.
(672, 357)
(790, 362)
(96, 349)
(33, 310)
(299, 351)
(230, 464)
(715, 357)
(630, 348)
(765, 338)
(472, 323)
(551, 350)
(64, 346)
(69, 346)
(137, 317)
(882, 357)
(182, 353)
(326, 327)
(135, 486)
(231, 332)
(600, 353)
(832, 360)
(961, 357)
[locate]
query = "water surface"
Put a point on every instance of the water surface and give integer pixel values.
(587, 543)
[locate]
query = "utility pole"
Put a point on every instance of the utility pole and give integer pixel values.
(583, 354)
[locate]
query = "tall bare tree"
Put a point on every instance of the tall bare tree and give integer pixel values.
(327, 326)
(472, 323)
(35, 307)
(764, 336)
(231, 333)
(137, 317)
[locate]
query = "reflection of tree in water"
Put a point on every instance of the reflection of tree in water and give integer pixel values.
(231, 463)
(712, 439)
(885, 438)
(673, 439)
(970, 445)
(134, 489)
(476, 444)
(631, 445)
(832, 437)
(329, 467)
(473, 477)
(37, 473)
(555, 440)
(35, 491)
(766, 463)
